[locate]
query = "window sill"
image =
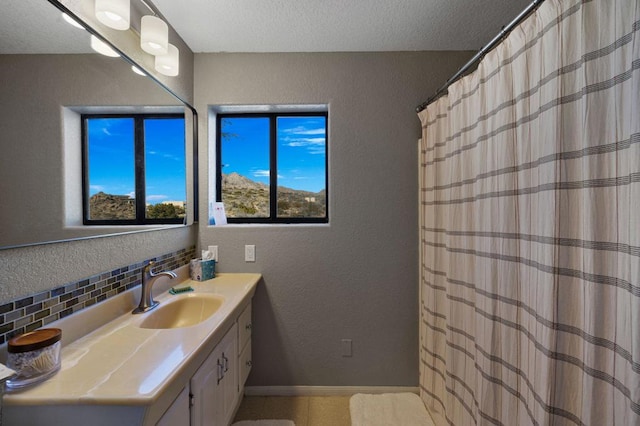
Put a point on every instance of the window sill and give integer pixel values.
(271, 225)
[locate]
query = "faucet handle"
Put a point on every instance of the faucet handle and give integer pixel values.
(147, 267)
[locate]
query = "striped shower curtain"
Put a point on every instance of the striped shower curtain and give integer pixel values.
(530, 227)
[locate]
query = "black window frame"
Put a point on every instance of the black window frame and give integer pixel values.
(273, 166)
(139, 164)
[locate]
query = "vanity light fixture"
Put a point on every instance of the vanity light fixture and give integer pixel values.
(113, 13)
(102, 47)
(168, 64)
(154, 35)
(71, 21)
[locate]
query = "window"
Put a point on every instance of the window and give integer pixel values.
(133, 169)
(272, 168)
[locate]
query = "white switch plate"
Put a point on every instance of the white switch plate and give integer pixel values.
(214, 250)
(250, 253)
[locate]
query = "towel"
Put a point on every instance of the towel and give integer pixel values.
(406, 409)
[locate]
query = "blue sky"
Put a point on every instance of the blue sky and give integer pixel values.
(111, 158)
(301, 150)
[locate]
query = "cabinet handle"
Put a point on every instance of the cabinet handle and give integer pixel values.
(248, 326)
(249, 363)
(220, 372)
(225, 362)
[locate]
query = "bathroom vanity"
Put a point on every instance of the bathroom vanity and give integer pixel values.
(178, 364)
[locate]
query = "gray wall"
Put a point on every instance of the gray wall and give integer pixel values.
(357, 277)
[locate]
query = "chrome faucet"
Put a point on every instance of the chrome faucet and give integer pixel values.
(148, 280)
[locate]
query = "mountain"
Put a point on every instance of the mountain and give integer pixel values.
(235, 181)
(119, 207)
(107, 206)
(244, 197)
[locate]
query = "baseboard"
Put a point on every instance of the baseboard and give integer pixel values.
(324, 390)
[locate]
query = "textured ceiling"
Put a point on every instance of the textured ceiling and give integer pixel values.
(338, 25)
(36, 26)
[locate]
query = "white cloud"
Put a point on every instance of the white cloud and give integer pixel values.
(313, 146)
(261, 173)
(301, 130)
(304, 142)
(310, 136)
(98, 188)
(264, 173)
(157, 197)
(316, 150)
(166, 155)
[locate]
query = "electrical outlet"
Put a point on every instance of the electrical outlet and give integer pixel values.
(250, 253)
(214, 250)
(347, 349)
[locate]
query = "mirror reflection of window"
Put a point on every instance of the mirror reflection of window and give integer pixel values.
(165, 168)
(110, 161)
(42, 76)
(134, 169)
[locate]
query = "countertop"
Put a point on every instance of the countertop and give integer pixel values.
(120, 363)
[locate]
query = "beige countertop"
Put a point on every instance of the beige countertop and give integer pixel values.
(120, 363)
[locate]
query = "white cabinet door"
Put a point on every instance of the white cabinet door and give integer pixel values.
(244, 364)
(229, 352)
(178, 413)
(206, 391)
(214, 387)
(244, 345)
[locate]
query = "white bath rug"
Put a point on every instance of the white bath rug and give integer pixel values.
(264, 423)
(386, 409)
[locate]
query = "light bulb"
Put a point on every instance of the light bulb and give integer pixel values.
(168, 64)
(71, 21)
(154, 35)
(102, 47)
(137, 70)
(113, 13)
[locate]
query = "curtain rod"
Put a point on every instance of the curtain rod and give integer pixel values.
(478, 56)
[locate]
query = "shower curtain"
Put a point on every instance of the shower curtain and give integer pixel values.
(530, 227)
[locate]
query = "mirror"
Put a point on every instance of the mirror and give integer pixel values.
(49, 76)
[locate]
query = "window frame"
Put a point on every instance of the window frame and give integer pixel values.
(139, 172)
(273, 166)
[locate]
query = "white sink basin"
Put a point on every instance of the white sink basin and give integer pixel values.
(182, 311)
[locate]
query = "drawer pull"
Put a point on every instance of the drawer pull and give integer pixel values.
(248, 326)
(249, 363)
(220, 372)
(225, 363)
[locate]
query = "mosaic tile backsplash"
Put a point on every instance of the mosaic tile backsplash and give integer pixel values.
(37, 310)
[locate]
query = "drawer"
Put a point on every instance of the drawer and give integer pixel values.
(244, 364)
(244, 327)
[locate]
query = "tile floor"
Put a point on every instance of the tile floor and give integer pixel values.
(303, 410)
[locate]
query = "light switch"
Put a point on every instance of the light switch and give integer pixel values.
(214, 250)
(250, 253)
